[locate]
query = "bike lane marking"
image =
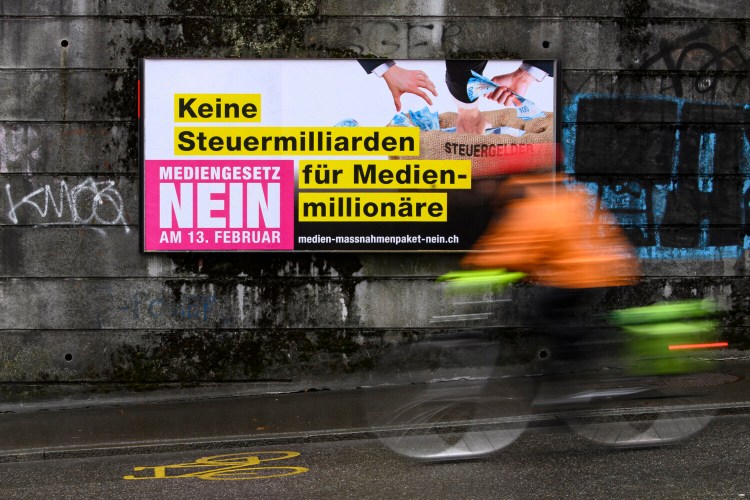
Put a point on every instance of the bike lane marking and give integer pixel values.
(230, 467)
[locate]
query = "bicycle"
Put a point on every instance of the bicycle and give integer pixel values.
(647, 402)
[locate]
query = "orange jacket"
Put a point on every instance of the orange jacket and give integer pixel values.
(557, 234)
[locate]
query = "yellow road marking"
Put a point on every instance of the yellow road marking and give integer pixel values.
(231, 467)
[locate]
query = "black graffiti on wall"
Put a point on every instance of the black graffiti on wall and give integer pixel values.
(414, 39)
(674, 170)
(676, 173)
(696, 61)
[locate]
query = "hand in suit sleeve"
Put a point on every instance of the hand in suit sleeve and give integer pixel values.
(401, 81)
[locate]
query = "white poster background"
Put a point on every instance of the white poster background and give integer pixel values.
(297, 93)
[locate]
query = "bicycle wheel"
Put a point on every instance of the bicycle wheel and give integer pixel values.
(652, 412)
(453, 420)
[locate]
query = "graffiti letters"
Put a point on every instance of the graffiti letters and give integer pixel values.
(675, 171)
(413, 39)
(696, 52)
(90, 202)
(678, 171)
(190, 307)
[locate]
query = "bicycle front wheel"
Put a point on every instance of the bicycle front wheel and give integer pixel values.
(453, 420)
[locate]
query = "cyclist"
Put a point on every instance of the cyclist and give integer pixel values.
(571, 248)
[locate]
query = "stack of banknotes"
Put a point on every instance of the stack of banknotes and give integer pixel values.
(479, 86)
(428, 120)
(425, 119)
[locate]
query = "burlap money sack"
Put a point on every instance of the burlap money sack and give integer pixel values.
(493, 154)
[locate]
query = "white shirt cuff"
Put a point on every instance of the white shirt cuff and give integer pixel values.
(535, 72)
(380, 70)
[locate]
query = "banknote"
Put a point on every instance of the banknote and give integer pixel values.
(425, 119)
(347, 122)
(400, 120)
(480, 85)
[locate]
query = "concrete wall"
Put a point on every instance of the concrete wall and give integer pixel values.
(655, 120)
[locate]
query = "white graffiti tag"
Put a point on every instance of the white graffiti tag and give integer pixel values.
(90, 202)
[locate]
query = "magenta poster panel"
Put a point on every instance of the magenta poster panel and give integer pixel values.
(210, 205)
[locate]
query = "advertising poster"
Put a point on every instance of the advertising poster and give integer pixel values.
(335, 155)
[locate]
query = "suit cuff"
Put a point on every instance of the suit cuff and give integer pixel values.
(535, 72)
(380, 70)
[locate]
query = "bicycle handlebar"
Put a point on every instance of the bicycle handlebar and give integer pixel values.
(479, 280)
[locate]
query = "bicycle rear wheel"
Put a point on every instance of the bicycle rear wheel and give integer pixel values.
(652, 412)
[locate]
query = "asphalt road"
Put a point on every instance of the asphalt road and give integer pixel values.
(547, 462)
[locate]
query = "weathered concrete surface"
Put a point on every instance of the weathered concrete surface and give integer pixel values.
(516, 38)
(50, 148)
(689, 9)
(288, 302)
(70, 95)
(540, 8)
(86, 251)
(106, 101)
(274, 328)
(643, 83)
(108, 42)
